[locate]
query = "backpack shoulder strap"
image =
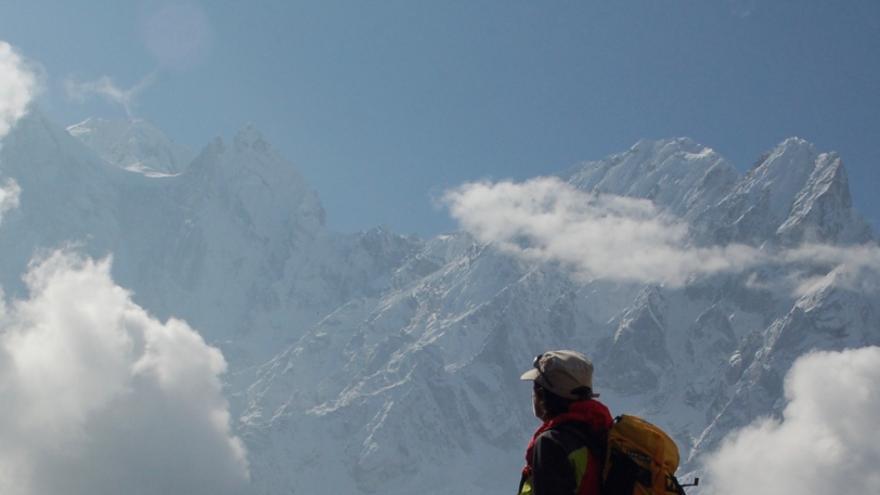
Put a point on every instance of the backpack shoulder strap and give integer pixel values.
(585, 436)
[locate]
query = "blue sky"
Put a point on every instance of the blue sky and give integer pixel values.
(383, 105)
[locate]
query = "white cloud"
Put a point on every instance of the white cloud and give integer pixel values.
(629, 239)
(9, 194)
(826, 442)
(851, 267)
(18, 86)
(599, 236)
(106, 88)
(99, 397)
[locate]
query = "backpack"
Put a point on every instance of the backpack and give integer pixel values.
(640, 459)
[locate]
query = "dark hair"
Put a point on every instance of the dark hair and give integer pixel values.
(555, 405)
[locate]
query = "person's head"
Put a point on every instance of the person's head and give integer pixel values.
(546, 405)
(560, 378)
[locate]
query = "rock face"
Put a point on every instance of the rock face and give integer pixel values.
(378, 363)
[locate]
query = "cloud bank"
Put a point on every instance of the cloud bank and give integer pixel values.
(18, 85)
(99, 397)
(601, 236)
(596, 235)
(826, 442)
(106, 88)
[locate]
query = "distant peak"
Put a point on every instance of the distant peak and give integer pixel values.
(249, 137)
(796, 143)
(683, 141)
(103, 124)
(684, 144)
(132, 144)
(791, 153)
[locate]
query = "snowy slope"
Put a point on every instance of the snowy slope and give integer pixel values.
(831, 316)
(420, 376)
(678, 174)
(134, 145)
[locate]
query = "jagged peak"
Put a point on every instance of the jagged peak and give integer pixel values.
(785, 168)
(791, 152)
(795, 142)
(37, 147)
(676, 173)
(793, 193)
(36, 131)
(248, 155)
(243, 140)
(681, 143)
(661, 150)
(653, 150)
(249, 137)
(823, 208)
(216, 147)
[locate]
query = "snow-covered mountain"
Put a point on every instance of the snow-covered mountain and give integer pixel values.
(374, 362)
(793, 194)
(422, 381)
(682, 176)
(133, 144)
(234, 244)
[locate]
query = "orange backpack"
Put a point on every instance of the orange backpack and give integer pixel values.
(640, 459)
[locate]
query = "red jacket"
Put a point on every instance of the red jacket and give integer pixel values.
(561, 458)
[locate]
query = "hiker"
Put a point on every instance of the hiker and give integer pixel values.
(565, 455)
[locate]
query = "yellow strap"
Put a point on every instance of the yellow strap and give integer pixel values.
(578, 460)
(527, 487)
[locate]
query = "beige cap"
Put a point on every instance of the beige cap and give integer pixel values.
(563, 373)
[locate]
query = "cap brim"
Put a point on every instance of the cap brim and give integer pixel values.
(532, 374)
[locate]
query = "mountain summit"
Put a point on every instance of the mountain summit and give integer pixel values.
(133, 144)
(792, 194)
(678, 174)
